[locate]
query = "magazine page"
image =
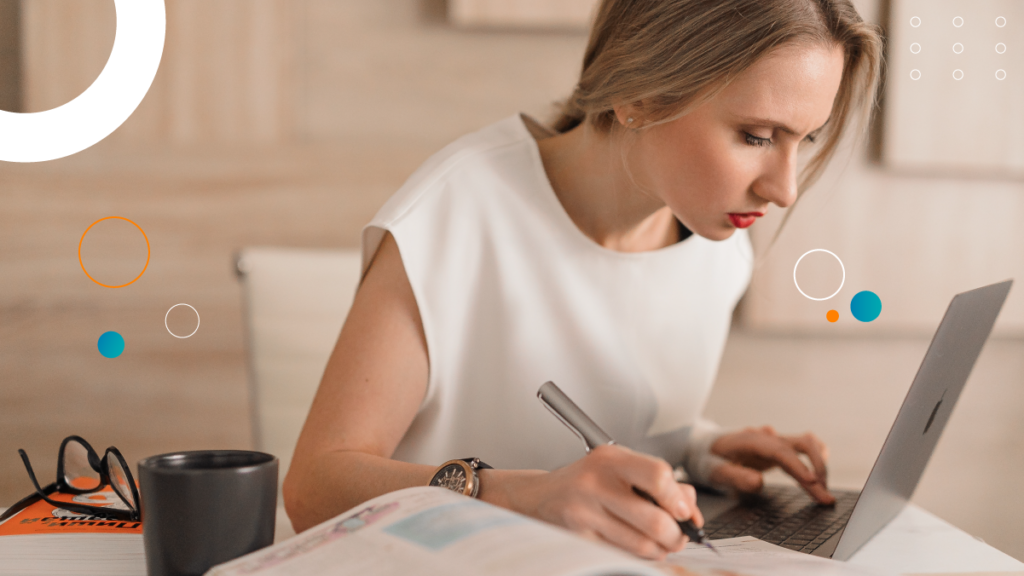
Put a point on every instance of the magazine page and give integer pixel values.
(428, 531)
(752, 557)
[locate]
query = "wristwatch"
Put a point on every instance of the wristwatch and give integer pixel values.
(460, 476)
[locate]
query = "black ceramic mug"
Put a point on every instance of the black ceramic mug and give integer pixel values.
(206, 507)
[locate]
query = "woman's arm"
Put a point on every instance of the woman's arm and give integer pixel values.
(372, 388)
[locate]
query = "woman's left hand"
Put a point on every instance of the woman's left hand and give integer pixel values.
(754, 450)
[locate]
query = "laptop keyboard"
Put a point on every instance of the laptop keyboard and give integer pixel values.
(786, 516)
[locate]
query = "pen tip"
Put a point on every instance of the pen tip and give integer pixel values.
(712, 548)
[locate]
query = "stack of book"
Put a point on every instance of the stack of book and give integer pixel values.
(43, 539)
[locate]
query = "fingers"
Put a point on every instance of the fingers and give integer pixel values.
(609, 529)
(816, 452)
(762, 448)
(654, 476)
(647, 519)
(741, 478)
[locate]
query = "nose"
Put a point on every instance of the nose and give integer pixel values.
(777, 182)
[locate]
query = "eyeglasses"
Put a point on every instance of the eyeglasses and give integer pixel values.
(80, 471)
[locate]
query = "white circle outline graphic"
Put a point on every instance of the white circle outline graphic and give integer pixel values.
(106, 104)
(915, 48)
(961, 21)
(960, 72)
(198, 320)
(797, 265)
(1000, 45)
(915, 74)
(912, 19)
(1002, 72)
(998, 18)
(960, 51)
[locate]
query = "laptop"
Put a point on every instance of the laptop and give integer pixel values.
(786, 516)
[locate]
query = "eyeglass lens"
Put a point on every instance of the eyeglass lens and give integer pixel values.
(119, 480)
(78, 472)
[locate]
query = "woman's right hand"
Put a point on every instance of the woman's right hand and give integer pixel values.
(594, 497)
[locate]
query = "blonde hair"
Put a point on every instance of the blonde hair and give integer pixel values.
(675, 54)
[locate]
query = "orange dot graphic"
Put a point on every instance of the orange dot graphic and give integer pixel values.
(832, 315)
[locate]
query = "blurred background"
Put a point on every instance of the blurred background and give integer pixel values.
(290, 122)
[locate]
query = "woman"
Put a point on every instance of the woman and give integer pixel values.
(606, 256)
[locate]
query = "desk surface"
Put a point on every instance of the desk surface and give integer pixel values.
(915, 542)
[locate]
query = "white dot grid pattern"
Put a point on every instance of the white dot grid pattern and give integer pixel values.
(915, 74)
(958, 74)
(915, 21)
(915, 48)
(958, 22)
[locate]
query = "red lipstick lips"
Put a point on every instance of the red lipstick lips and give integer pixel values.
(745, 219)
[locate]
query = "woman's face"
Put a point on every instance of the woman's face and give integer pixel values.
(720, 166)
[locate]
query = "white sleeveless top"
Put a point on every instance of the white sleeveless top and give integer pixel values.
(512, 294)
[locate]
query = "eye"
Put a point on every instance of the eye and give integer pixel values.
(811, 138)
(755, 141)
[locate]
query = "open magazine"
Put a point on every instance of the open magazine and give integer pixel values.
(433, 531)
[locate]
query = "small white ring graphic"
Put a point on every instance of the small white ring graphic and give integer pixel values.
(169, 313)
(798, 265)
(958, 74)
(1000, 21)
(1000, 74)
(106, 104)
(915, 48)
(915, 74)
(958, 48)
(1000, 48)
(958, 21)
(915, 21)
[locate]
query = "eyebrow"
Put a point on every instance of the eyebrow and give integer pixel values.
(783, 127)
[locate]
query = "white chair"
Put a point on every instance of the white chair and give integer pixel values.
(295, 303)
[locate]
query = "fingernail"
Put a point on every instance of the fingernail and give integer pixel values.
(682, 510)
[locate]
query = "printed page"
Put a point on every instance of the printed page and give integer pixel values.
(433, 531)
(749, 556)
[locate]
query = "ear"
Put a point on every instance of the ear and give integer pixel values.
(629, 115)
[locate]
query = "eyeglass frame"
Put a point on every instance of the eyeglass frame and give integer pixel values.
(100, 466)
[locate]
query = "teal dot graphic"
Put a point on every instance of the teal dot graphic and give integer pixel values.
(111, 344)
(866, 306)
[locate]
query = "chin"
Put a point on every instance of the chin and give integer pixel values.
(717, 233)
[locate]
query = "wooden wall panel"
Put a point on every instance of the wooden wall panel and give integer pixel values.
(225, 76)
(65, 46)
(935, 122)
(521, 13)
(10, 56)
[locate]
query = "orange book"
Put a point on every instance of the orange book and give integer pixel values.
(42, 517)
(43, 539)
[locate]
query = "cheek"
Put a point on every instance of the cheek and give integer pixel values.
(699, 171)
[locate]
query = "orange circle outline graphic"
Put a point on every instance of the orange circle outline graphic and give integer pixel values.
(80, 263)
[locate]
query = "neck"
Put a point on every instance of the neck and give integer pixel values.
(590, 179)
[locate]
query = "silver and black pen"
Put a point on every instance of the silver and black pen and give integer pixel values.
(552, 397)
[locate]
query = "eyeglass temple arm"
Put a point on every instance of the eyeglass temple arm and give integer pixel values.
(31, 473)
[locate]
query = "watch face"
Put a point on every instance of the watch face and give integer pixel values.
(452, 477)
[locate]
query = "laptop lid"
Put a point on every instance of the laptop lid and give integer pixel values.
(925, 411)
